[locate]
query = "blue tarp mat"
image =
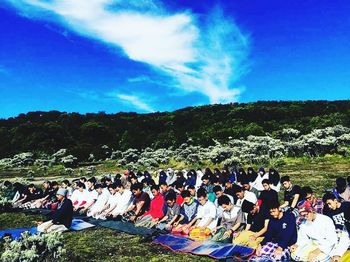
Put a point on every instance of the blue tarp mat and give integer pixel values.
(16, 233)
(208, 248)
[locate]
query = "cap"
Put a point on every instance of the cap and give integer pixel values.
(62, 192)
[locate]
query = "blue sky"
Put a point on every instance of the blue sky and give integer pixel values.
(146, 56)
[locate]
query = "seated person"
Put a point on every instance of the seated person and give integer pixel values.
(90, 197)
(188, 212)
(280, 235)
(218, 193)
(206, 213)
(248, 187)
(267, 196)
(308, 195)
(208, 186)
(66, 185)
(232, 219)
(316, 238)
(155, 212)
(291, 194)
(274, 179)
(79, 196)
(102, 199)
(171, 215)
(257, 223)
(124, 198)
(242, 195)
(259, 178)
(21, 195)
(111, 203)
(61, 217)
(139, 205)
(33, 195)
(339, 212)
(193, 192)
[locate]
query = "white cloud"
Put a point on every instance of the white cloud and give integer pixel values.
(134, 101)
(200, 57)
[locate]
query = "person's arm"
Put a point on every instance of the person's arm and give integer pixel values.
(173, 220)
(208, 222)
(163, 219)
(285, 204)
(262, 231)
(131, 207)
(295, 200)
(139, 207)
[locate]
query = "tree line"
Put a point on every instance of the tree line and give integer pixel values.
(82, 134)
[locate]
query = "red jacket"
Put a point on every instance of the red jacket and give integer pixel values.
(156, 208)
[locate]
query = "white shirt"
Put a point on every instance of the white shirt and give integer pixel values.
(321, 232)
(205, 212)
(124, 201)
(249, 196)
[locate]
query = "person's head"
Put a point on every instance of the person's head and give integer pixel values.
(170, 199)
(99, 188)
(155, 190)
(307, 193)
(306, 210)
(245, 184)
(340, 184)
(285, 181)
(61, 194)
(83, 179)
(119, 186)
(186, 195)
(80, 186)
(266, 184)
(330, 200)
(163, 187)
(225, 202)
(133, 180)
(218, 191)
(65, 183)
(202, 196)
(250, 170)
(112, 188)
(249, 207)
(179, 186)
(274, 209)
(205, 179)
(91, 183)
(228, 184)
(108, 181)
(240, 192)
(47, 184)
(54, 185)
(136, 189)
(31, 188)
(7, 184)
(192, 190)
(261, 171)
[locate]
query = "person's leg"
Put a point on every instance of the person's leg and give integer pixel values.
(218, 235)
(44, 226)
(57, 228)
(343, 244)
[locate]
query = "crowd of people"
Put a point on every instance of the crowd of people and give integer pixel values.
(230, 206)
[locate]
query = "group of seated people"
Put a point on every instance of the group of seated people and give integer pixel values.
(227, 206)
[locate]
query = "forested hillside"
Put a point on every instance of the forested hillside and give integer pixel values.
(46, 132)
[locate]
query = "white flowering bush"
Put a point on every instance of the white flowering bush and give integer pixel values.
(32, 248)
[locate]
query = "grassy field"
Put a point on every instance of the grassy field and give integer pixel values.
(99, 244)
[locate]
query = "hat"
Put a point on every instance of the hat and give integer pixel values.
(305, 206)
(62, 192)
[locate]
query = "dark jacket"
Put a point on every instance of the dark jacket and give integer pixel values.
(64, 214)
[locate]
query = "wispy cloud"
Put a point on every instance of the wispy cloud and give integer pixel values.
(205, 57)
(135, 102)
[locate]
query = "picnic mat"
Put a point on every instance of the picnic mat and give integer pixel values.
(207, 247)
(16, 233)
(125, 227)
(346, 257)
(79, 224)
